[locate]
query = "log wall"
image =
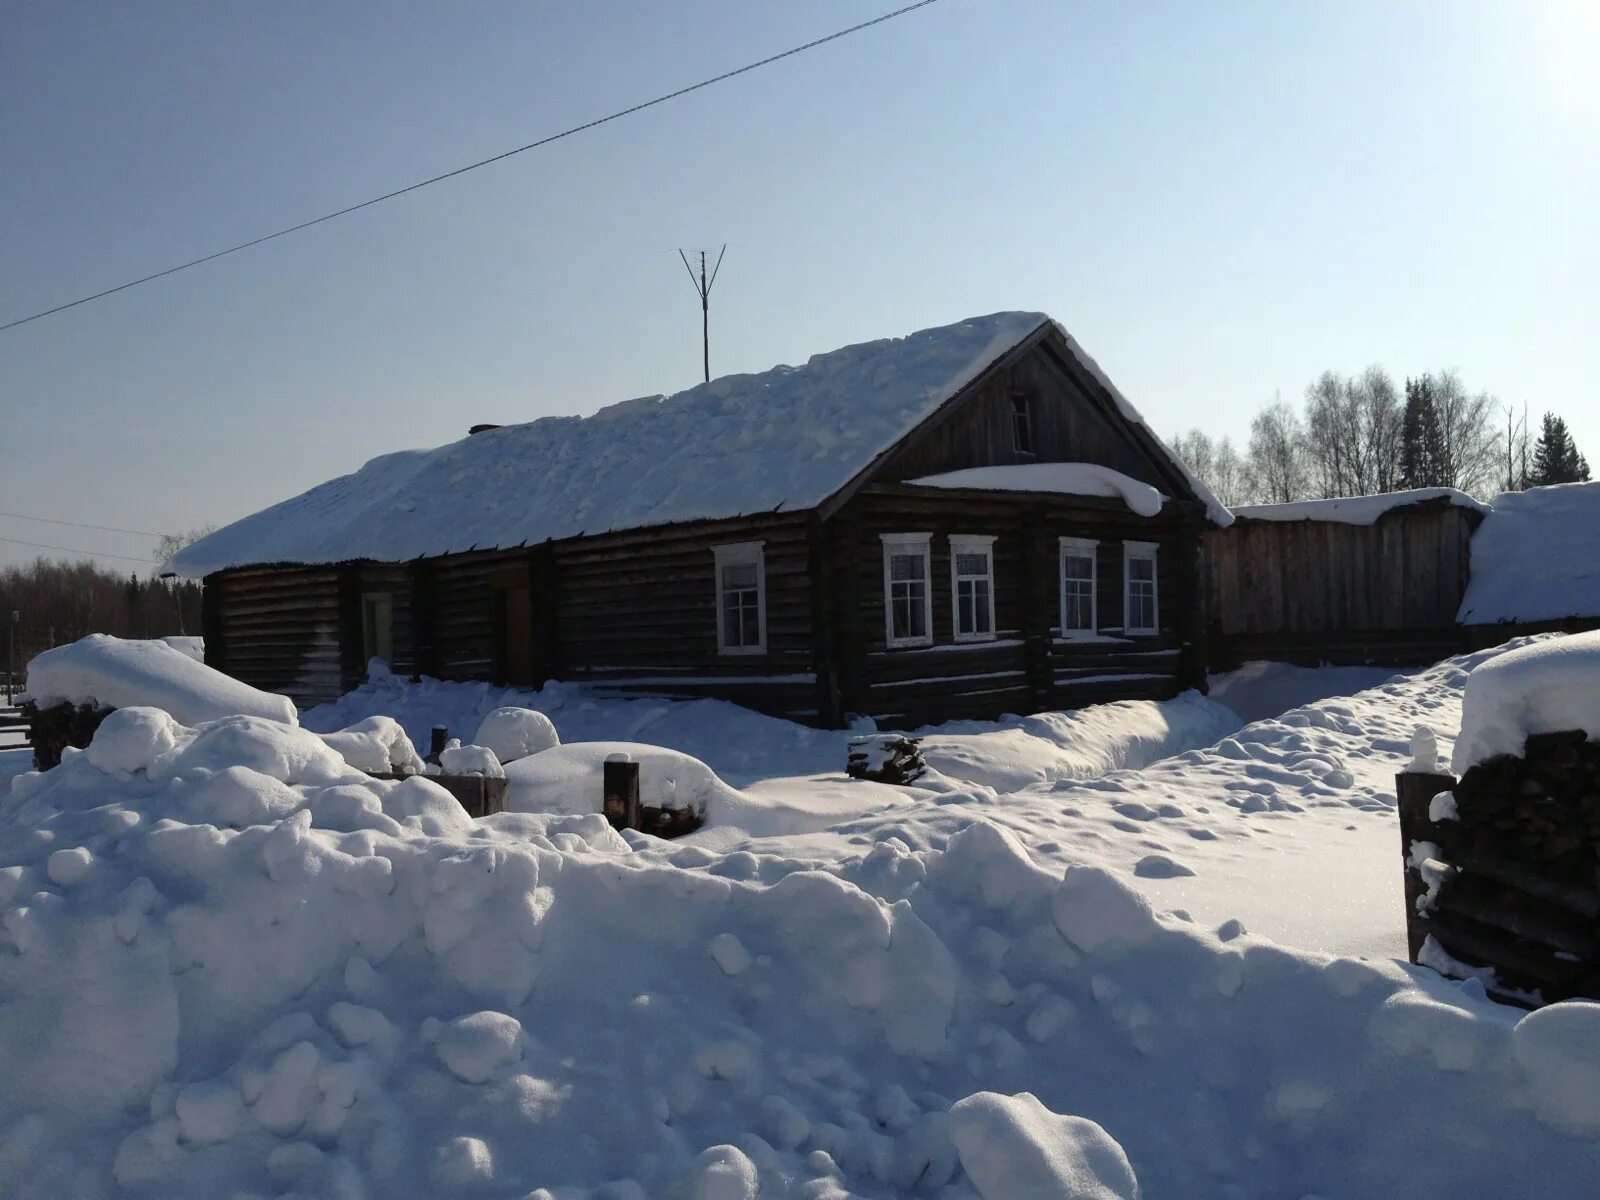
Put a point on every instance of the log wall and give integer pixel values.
(1066, 424)
(637, 612)
(279, 629)
(1028, 667)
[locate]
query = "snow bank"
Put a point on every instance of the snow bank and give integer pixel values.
(346, 997)
(514, 733)
(1070, 479)
(1014, 1148)
(1536, 557)
(1547, 686)
(1355, 510)
(1085, 743)
(194, 647)
(1259, 690)
(116, 673)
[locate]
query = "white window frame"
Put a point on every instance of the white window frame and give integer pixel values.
(900, 543)
(742, 554)
(1079, 548)
(1140, 550)
(971, 543)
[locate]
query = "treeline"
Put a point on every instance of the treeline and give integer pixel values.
(58, 602)
(1361, 434)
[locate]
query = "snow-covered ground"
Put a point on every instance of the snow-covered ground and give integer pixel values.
(288, 978)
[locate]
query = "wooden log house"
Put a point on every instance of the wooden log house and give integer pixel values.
(812, 542)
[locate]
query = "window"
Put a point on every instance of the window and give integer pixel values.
(1021, 424)
(1141, 611)
(377, 627)
(741, 598)
(907, 598)
(1078, 615)
(972, 587)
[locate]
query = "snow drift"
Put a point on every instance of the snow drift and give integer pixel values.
(230, 964)
(1536, 557)
(1548, 686)
(118, 673)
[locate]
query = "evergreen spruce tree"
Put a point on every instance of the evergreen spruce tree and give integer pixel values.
(1421, 439)
(1555, 456)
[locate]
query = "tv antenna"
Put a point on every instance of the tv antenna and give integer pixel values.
(702, 285)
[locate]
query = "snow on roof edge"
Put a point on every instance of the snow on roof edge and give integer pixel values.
(1356, 510)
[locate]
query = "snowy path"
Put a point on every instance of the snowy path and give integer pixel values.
(1286, 824)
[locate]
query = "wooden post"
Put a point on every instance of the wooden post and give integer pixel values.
(424, 653)
(824, 641)
(352, 640)
(620, 799)
(1414, 793)
(544, 585)
(216, 650)
(1039, 565)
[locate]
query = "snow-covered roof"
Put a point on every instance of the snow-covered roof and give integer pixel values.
(1070, 479)
(1536, 557)
(1355, 510)
(1549, 686)
(785, 439)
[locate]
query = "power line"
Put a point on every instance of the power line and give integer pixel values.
(75, 550)
(483, 162)
(82, 525)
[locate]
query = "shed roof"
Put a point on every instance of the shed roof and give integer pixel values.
(785, 439)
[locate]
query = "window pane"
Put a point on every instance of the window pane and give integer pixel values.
(738, 575)
(980, 603)
(1078, 566)
(906, 566)
(1141, 568)
(972, 564)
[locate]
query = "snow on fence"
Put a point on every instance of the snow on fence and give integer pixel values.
(1502, 869)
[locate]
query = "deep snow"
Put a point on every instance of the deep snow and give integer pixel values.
(1536, 557)
(230, 964)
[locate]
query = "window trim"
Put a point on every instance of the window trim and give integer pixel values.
(922, 542)
(1140, 550)
(971, 543)
(1080, 545)
(740, 554)
(1022, 423)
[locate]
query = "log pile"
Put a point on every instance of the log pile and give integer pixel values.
(885, 758)
(51, 730)
(1514, 881)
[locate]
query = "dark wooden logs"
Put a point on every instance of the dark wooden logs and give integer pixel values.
(51, 730)
(885, 758)
(1517, 868)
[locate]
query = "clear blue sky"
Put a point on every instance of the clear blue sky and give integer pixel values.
(1220, 200)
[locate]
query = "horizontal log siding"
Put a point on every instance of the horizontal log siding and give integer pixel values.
(278, 630)
(1404, 573)
(1028, 668)
(463, 614)
(637, 612)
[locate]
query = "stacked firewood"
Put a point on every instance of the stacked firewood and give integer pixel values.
(885, 758)
(51, 730)
(1541, 810)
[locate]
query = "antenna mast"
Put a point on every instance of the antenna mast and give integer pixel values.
(702, 286)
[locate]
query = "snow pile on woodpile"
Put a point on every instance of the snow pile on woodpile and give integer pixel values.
(111, 672)
(1536, 557)
(233, 965)
(1547, 686)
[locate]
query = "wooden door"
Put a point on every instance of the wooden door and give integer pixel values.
(516, 635)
